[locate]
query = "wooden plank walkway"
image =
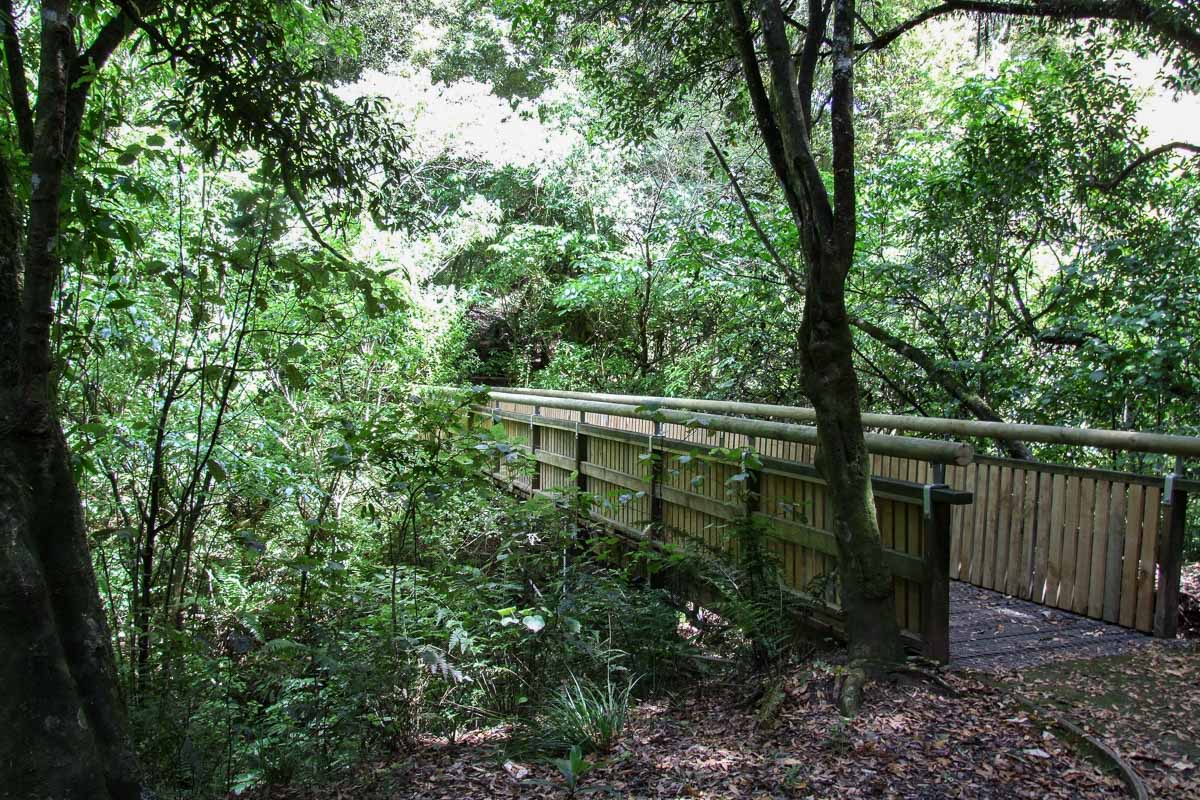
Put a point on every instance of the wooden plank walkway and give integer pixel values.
(994, 632)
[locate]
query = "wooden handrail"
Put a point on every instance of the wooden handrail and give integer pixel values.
(902, 446)
(1132, 441)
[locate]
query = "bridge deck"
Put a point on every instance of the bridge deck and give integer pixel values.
(993, 632)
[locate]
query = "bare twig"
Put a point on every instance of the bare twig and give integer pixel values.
(750, 215)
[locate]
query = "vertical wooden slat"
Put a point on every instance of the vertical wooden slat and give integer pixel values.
(900, 529)
(1041, 559)
(1083, 556)
(1054, 560)
(983, 482)
(811, 558)
(788, 559)
(1002, 523)
(1028, 533)
(954, 478)
(968, 527)
(914, 546)
(883, 512)
(995, 491)
(820, 509)
(1144, 620)
(1114, 539)
(1129, 562)
(1095, 605)
(796, 559)
(658, 467)
(1014, 581)
(1066, 586)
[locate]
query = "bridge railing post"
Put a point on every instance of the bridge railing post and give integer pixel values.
(1170, 554)
(581, 452)
(935, 590)
(657, 457)
(535, 444)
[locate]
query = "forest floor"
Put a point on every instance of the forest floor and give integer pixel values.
(913, 739)
(1145, 706)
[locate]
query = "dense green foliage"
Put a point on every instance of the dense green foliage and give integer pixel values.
(301, 557)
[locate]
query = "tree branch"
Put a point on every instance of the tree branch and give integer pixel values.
(816, 221)
(750, 215)
(768, 128)
(884, 39)
(42, 263)
(1149, 155)
(11, 268)
(841, 117)
(1168, 26)
(293, 194)
(15, 65)
(944, 378)
(88, 64)
(818, 18)
(900, 392)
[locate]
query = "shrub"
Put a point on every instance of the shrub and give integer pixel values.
(585, 715)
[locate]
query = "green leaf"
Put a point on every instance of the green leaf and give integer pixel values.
(294, 377)
(129, 155)
(217, 470)
(534, 622)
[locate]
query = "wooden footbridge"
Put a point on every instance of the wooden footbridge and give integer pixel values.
(1095, 543)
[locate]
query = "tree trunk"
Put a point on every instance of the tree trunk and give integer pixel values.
(832, 386)
(64, 732)
(827, 227)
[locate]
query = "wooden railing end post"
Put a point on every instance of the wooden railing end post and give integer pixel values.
(935, 591)
(1170, 554)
